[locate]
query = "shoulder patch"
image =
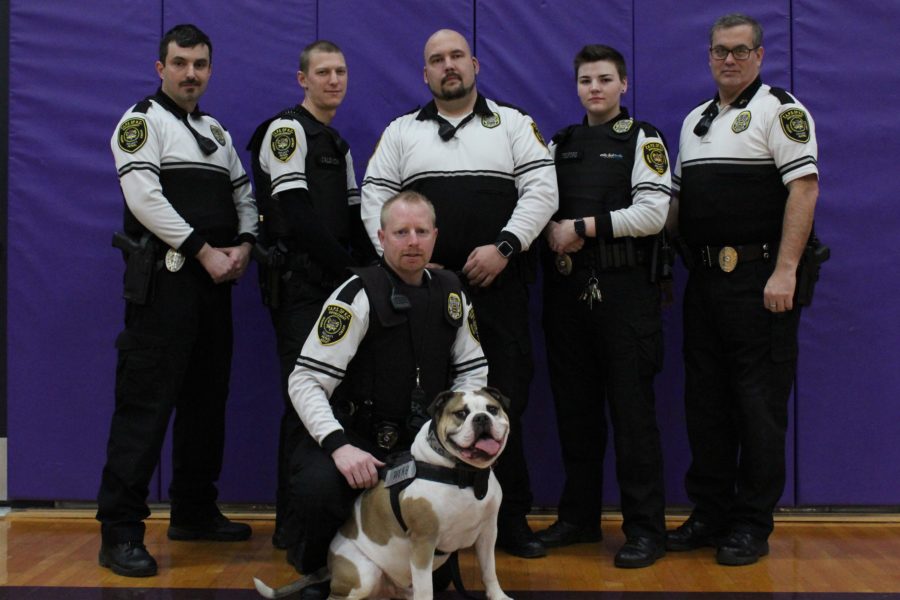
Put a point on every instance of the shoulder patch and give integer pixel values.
(473, 325)
(218, 134)
(537, 134)
(623, 126)
(283, 143)
(333, 324)
(454, 306)
(491, 121)
(795, 125)
(132, 135)
(741, 122)
(655, 157)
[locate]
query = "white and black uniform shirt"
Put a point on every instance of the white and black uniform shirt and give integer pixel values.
(324, 359)
(735, 173)
(493, 175)
(288, 170)
(651, 189)
(171, 187)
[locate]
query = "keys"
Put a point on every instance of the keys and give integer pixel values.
(591, 292)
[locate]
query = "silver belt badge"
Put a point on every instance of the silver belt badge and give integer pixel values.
(728, 259)
(563, 264)
(174, 260)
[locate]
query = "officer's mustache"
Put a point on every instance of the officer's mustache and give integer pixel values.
(188, 82)
(449, 75)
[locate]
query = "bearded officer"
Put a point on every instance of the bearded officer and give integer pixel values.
(746, 182)
(307, 192)
(190, 221)
(387, 342)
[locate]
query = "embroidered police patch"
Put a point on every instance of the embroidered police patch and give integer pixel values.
(537, 134)
(741, 122)
(473, 325)
(132, 135)
(217, 133)
(334, 324)
(284, 142)
(491, 122)
(454, 306)
(655, 157)
(623, 126)
(795, 125)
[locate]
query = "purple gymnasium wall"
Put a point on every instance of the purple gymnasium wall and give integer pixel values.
(74, 70)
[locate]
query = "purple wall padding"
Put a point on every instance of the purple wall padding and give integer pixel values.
(72, 74)
(849, 425)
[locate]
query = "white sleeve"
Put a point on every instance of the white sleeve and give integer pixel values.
(651, 189)
(282, 155)
(242, 193)
(382, 181)
(323, 361)
(470, 367)
(535, 176)
(792, 141)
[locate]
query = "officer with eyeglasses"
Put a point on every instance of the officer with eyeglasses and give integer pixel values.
(745, 183)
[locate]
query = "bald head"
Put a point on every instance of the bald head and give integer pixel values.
(450, 71)
(443, 37)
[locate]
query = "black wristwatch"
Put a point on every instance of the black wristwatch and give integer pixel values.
(580, 228)
(505, 248)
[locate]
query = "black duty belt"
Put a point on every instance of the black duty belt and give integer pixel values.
(727, 258)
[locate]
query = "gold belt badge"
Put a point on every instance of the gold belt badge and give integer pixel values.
(563, 264)
(174, 260)
(728, 259)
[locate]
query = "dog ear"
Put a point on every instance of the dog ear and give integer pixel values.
(496, 395)
(438, 404)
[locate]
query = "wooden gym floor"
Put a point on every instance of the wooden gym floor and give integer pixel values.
(49, 554)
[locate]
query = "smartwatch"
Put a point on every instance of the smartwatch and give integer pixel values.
(580, 228)
(505, 248)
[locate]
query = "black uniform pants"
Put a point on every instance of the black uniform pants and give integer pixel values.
(175, 353)
(740, 361)
(503, 328)
(300, 303)
(603, 356)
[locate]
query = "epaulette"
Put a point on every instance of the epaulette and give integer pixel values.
(142, 107)
(349, 291)
(563, 134)
(651, 131)
(783, 96)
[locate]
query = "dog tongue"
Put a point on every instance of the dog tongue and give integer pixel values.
(488, 445)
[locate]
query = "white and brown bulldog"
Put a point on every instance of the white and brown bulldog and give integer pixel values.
(388, 549)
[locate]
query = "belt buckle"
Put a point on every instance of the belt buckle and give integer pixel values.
(563, 264)
(728, 259)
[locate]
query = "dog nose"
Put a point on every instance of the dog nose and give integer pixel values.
(481, 421)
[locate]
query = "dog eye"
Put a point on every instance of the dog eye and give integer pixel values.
(493, 410)
(461, 414)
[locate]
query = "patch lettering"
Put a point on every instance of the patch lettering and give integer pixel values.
(655, 157)
(795, 125)
(623, 126)
(284, 143)
(491, 122)
(741, 122)
(334, 324)
(218, 134)
(454, 306)
(537, 134)
(473, 324)
(132, 135)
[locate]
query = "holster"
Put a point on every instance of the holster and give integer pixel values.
(814, 255)
(270, 262)
(140, 265)
(662, 259)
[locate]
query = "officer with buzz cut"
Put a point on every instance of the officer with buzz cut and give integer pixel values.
(746, 185)
(602, 310)
(309, 201)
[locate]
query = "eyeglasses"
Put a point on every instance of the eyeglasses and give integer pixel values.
(738, 52)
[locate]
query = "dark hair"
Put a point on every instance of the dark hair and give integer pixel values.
(317, 46)
(595, 52)
(735, 20)
(185, 36)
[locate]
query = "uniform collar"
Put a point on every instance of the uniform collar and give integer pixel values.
(170, 105)
(745, 96)
(620, 117)
(430, 111)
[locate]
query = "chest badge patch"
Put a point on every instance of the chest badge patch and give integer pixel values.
(284, 143)
(795, 125)
(655, 157)
(218, 134)
(333, 324)
(537, 134)
(132, 135)
(473, 325)
(454, 306)
(623, 126)
(491, 121)
(741, 122)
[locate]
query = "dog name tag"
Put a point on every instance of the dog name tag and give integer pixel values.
(400, 473)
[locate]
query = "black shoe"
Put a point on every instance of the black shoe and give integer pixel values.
(741, 548)
(562, 533)
(129, 559)
(316, 591)
(639, 552)
(516, 538)
(279, 538)
(221, 529)
(693, 534)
